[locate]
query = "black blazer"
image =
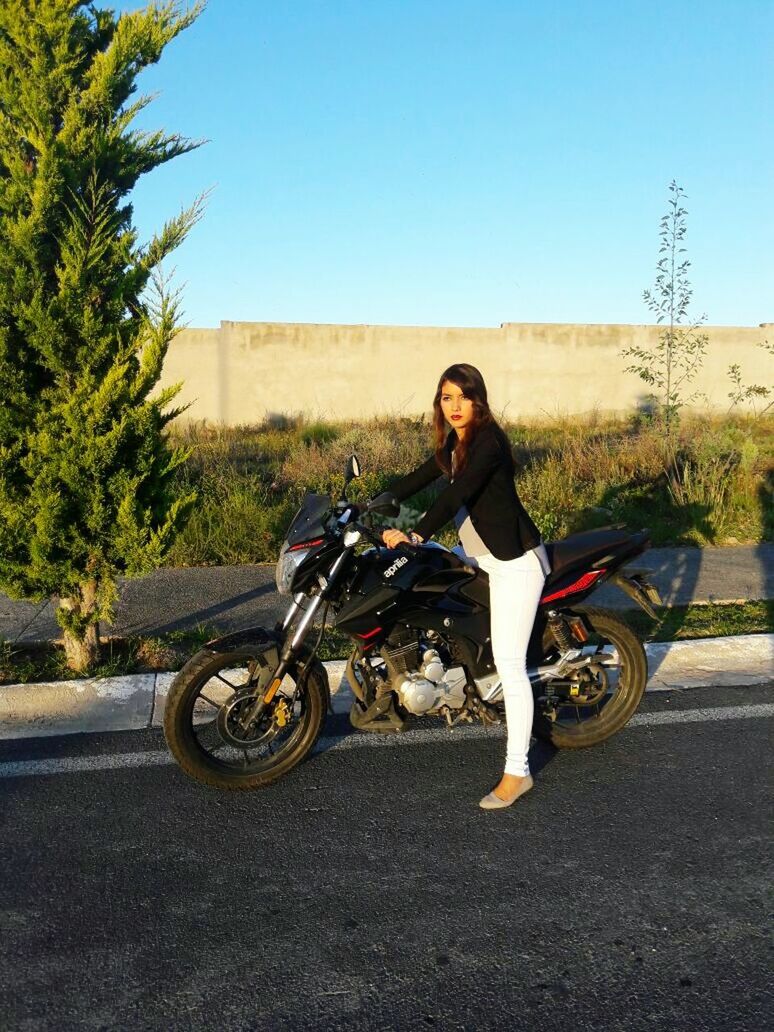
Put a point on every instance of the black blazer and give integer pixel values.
(485, 486)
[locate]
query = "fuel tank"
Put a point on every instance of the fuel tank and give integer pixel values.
(429, 587)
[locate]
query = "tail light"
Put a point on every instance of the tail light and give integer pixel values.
(579, 585)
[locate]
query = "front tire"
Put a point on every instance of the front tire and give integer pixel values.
(201, 721)
(589, 728)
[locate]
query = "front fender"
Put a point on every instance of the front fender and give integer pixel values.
(257, 636)
(267, 645)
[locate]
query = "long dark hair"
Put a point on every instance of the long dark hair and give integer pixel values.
(471, 383)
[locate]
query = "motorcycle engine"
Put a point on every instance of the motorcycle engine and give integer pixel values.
(420, 678)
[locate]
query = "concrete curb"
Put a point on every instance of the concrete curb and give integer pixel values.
(136, 701)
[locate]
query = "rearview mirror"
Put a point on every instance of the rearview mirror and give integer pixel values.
(353, 469)
(385, 504)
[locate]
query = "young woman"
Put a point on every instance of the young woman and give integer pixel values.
(497, 534)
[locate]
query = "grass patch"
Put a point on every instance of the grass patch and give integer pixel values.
(703, 621)
(46, 662)
(717, 487)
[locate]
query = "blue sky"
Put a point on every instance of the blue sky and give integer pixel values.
(466, 163)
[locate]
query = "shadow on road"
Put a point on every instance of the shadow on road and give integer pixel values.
(211, 613)
(338, 726)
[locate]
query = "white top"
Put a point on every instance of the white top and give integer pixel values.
(468, 535)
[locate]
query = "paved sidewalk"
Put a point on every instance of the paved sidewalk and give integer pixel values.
(229, 598)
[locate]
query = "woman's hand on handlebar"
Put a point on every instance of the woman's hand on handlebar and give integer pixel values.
(392, 538)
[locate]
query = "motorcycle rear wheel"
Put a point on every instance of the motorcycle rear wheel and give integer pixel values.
(592, 727)
(200, 722)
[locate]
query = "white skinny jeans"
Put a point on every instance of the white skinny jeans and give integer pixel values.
(515, 586)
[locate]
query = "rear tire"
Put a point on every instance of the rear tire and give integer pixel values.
(620, 708)
(179, 723)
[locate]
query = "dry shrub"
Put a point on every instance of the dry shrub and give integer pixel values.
(245, 449)
(385, 449)
(578, 473)
(636, 457)
(715, 471)
(549, 494)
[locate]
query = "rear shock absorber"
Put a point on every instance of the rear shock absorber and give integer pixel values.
(561, 632)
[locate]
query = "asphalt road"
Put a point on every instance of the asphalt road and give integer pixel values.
(230, 598)
(367, 890)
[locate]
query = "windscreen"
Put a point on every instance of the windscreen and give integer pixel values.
(308, 522)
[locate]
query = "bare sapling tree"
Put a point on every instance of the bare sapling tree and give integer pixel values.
(679, 353)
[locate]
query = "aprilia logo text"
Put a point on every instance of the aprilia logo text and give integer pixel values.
(395, 566)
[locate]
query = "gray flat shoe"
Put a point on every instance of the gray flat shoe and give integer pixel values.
(493, 802)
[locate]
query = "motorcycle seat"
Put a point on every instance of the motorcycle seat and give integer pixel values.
(588, 545)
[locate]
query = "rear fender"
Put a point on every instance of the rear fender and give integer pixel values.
(265, 645)
(634, 584)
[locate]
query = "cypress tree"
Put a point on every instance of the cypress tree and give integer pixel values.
(87, 486)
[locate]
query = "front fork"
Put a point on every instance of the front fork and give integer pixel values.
(291, 648)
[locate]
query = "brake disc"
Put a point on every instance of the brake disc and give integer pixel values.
(266, 728)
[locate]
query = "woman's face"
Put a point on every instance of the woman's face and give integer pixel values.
(456, 408)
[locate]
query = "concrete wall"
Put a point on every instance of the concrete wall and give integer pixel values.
(244, 372)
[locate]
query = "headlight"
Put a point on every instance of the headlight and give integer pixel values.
(287, 564)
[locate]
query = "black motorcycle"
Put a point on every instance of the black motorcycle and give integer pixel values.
(250, 706)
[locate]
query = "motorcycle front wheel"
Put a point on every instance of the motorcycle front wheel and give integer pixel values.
(203, 721)
(608, 691)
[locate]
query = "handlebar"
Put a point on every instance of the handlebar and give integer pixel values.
(374, 534)
(368, 532)
(371, 532)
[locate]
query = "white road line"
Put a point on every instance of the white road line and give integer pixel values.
(764, 709)
(159, 757)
